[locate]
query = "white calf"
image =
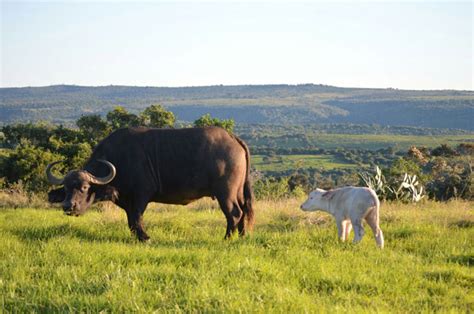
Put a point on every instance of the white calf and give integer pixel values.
(349, 205)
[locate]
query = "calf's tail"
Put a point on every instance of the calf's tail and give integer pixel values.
(378, 232)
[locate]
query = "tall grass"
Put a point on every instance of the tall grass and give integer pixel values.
(292, 262)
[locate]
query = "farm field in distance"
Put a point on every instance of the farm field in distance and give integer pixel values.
(359, 141)
(291, 162)
(292, 262)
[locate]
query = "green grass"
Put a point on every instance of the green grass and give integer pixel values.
(289, 162)
(292, 262)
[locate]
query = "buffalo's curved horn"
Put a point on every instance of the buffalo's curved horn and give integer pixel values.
(51, 177)
(106, 179)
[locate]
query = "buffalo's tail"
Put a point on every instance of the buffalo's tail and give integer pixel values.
(248, 206)
(248, 194)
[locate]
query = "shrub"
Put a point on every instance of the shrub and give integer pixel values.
(271, 188)
(451, 178)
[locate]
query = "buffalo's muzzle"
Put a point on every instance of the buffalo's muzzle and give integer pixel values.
(69, 207)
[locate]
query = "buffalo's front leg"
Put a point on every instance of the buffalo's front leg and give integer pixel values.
(134, 207)
(135, 223)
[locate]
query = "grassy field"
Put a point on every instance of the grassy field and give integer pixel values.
(291, 162)
(292, 262)
(360, 141)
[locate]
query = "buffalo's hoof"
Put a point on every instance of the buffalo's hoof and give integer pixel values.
(144, 239)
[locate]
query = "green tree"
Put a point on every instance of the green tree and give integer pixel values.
(75, 154)
(121, 118)
(157, 116)
(93, 128)
(401, 166)
(27, 163)
(207, 120)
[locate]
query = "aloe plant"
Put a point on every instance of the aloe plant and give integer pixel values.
(407, 190)
(376, 182)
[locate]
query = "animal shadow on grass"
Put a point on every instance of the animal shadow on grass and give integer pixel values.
(403, 233)
(282, 222)
(465, 260)
(32, 234)
(464, 224)
(63, 230)
(329, 287)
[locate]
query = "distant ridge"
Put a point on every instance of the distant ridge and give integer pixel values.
(276, 104)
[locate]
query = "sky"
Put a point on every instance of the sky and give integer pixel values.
(406, 45)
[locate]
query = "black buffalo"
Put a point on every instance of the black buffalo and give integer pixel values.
(135, 166)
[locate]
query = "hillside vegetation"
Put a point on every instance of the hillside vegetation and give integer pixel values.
(292, 262)
(288, 104)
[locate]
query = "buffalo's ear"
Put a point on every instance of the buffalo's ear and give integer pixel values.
(108, 193)
(56, 196)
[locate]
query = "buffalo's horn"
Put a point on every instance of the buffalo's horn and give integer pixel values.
(51, 178)
(108, 178)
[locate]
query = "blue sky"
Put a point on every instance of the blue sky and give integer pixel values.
(408, 45)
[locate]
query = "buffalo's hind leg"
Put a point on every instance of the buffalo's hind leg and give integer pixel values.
(242, 225)
(233, 214)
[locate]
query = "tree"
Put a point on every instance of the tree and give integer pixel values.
(401, 166)
(27, 163)
(93, 128)
(158, 117)
(207, 120)
(121, 118)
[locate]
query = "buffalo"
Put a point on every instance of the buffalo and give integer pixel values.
(134, 166)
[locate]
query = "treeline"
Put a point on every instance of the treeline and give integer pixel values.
(443, 171)
(29, 148)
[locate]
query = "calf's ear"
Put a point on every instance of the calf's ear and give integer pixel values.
(329, 194)
(56, 196)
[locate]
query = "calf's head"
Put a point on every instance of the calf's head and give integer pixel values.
(79, 188)
(314, 201)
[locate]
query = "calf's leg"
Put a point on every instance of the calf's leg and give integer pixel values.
(340, 228)
(347, 229)
(358, 229)
(373, 222)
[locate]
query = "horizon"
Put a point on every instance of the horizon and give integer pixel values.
(374, 45)
(236, 85)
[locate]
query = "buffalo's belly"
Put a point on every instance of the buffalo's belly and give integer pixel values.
(179, 199)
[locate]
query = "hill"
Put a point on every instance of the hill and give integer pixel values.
(275, 104)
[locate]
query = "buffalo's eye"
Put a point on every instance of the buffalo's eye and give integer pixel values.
(84, 188)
